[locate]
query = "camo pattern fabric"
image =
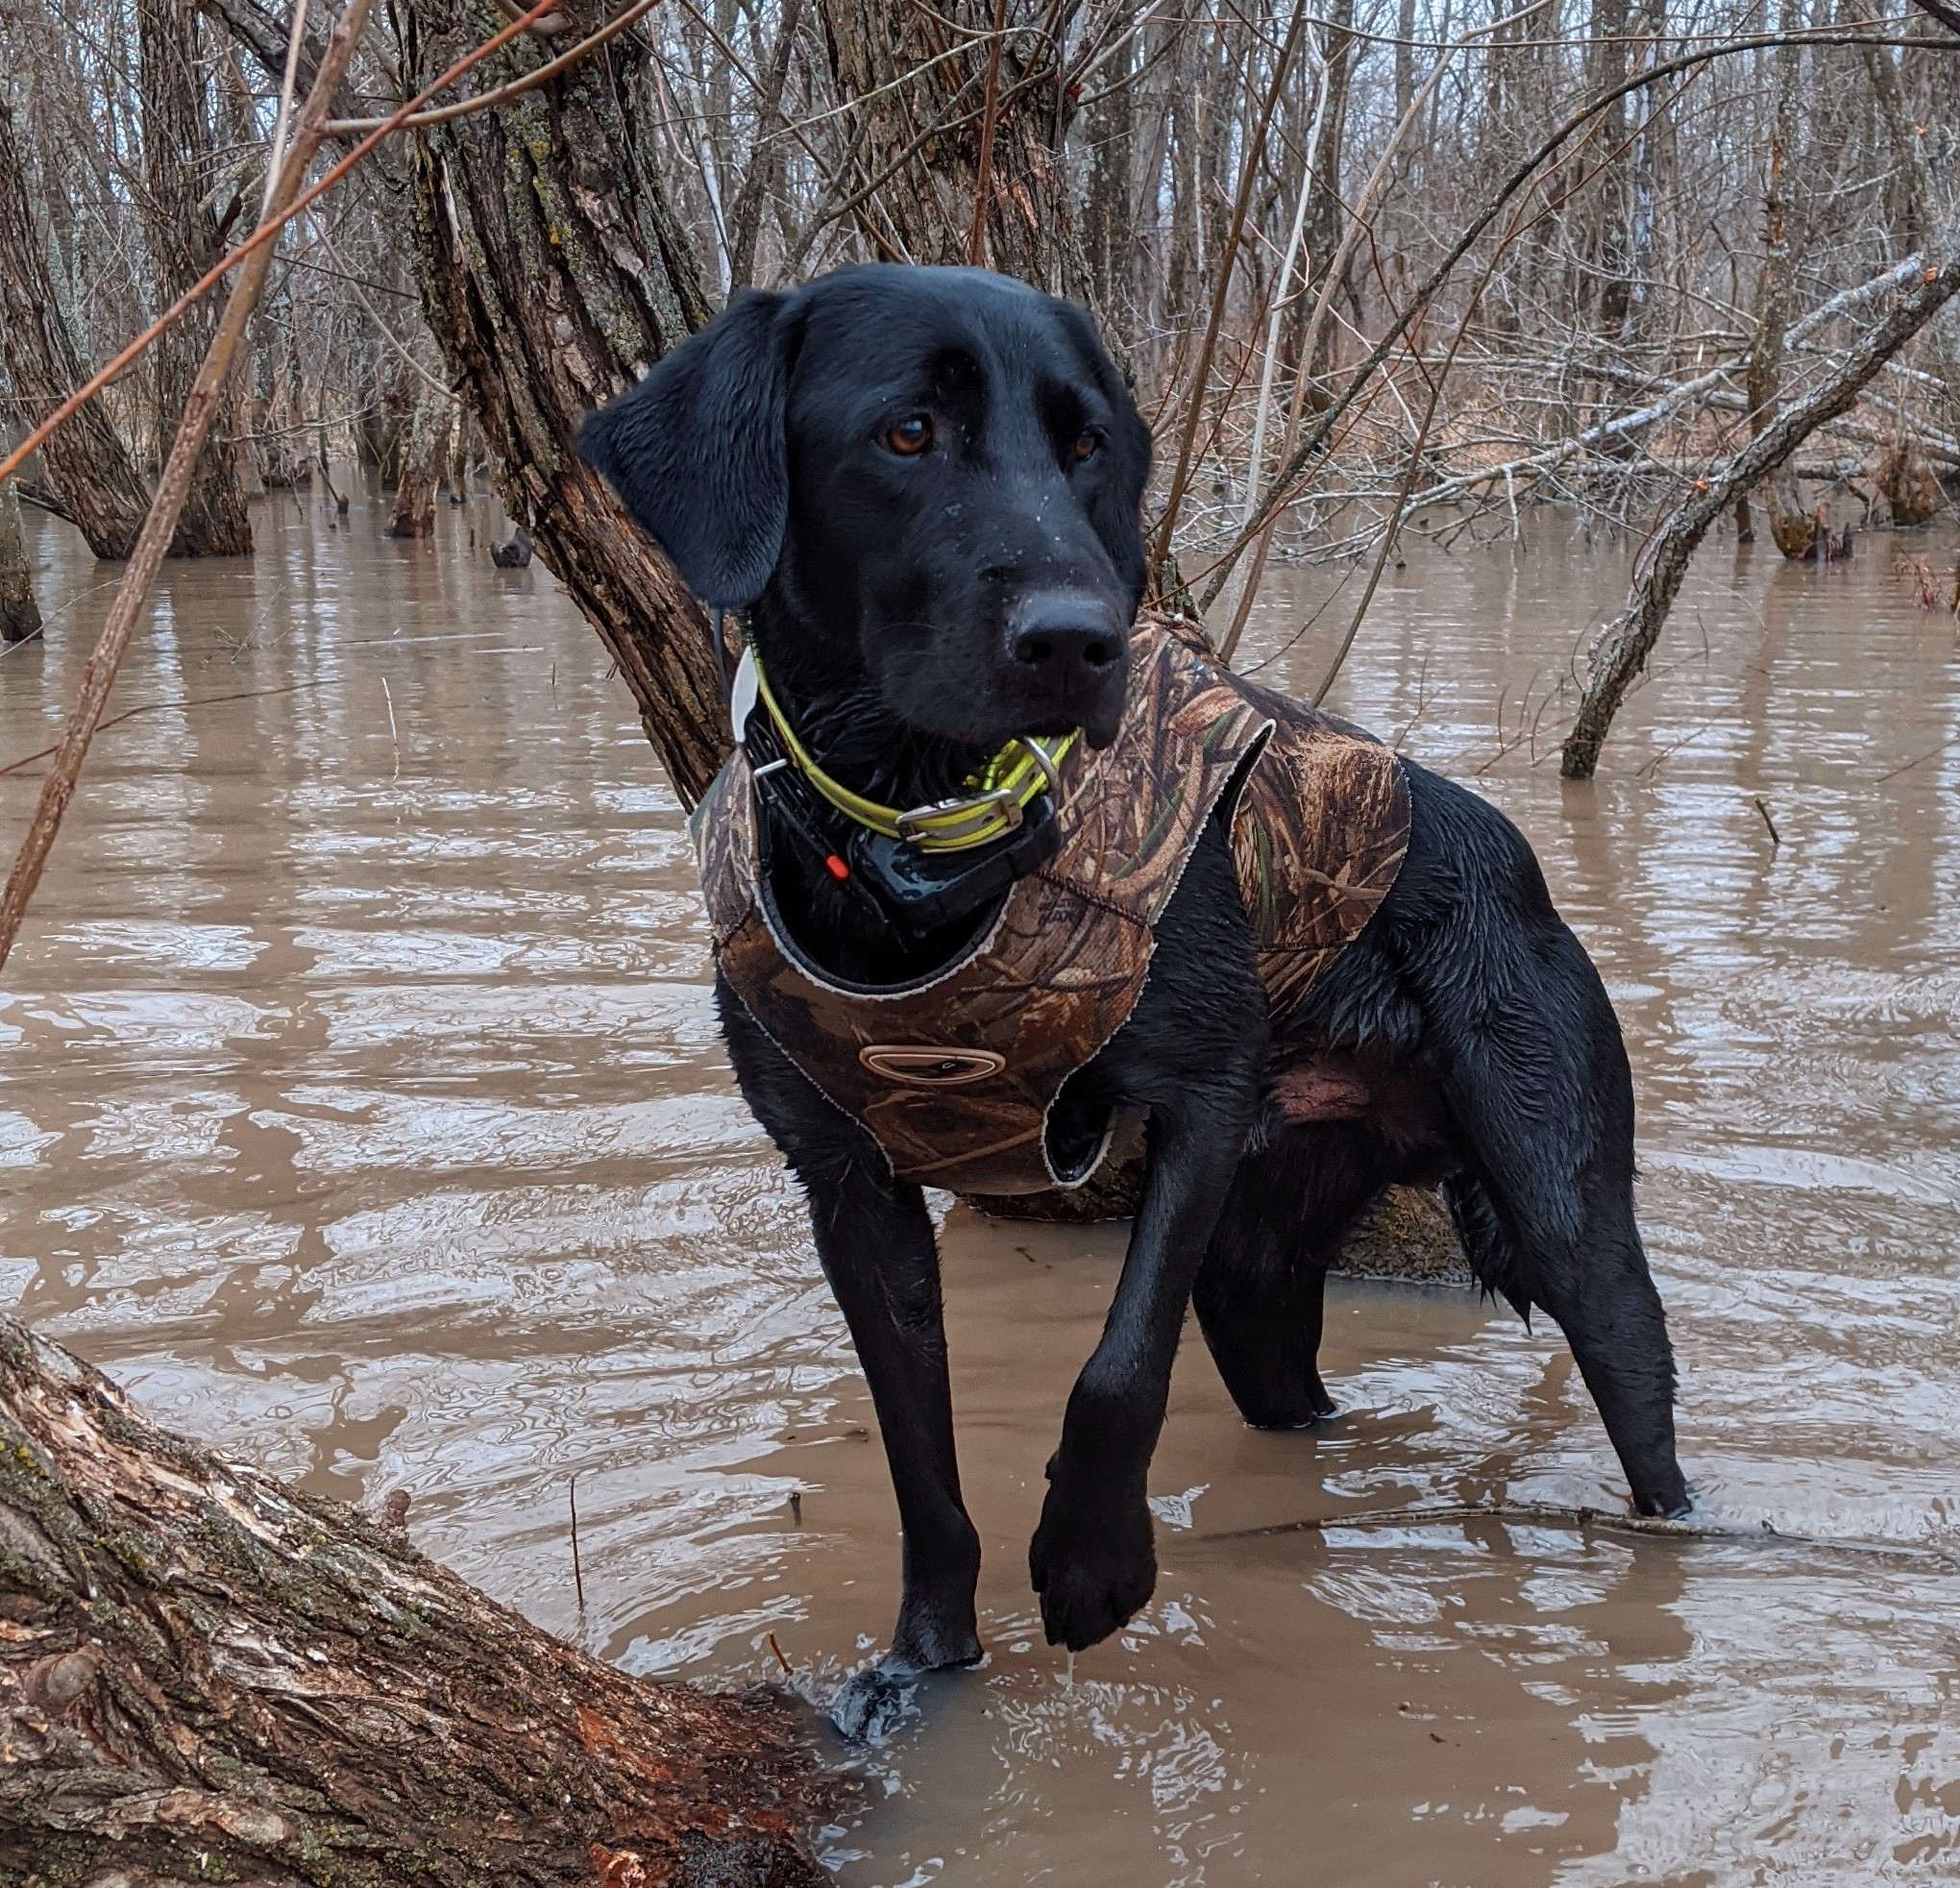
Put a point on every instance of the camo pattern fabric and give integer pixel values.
(953, 1076)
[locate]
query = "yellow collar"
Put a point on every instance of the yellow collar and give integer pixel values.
(1002, 790)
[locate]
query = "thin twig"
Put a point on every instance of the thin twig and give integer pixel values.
(388, 334)
(1358, 219)
(1919, 760)
(989, 122)
(1280, 493)
(151, 707)
(1392, 530)
(578, 1572)
(394, 731)
(1775, 838)
(275, 160)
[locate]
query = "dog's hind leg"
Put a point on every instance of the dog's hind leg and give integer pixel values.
(1259, 1292)
(1545, 1208)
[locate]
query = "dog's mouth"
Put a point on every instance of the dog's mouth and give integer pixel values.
(1098, 730)
(989, 710)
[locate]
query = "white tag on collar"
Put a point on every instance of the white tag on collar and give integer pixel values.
(742, 694)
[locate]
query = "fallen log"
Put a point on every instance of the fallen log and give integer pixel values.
(207, 1676)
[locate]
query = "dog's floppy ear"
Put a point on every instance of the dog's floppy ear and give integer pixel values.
(696, 449)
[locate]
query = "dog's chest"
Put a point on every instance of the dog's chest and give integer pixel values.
(954, 1076)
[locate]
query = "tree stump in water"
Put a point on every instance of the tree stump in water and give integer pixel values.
(1907, 483)
(19, 614)
(414, 513)
(1406, 1234)
(207, 1676)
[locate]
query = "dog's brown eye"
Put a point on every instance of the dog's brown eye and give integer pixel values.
(909, 437)
(1087, 445)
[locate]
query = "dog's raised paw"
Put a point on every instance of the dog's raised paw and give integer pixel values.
(1094, 1572)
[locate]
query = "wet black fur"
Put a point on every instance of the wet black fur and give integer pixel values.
(885, 597)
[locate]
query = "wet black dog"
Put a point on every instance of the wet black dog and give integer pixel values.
(922, 486)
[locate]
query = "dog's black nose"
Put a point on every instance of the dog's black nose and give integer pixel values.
(1066, 638)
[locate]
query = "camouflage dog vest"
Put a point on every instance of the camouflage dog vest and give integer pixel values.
(954, 1075)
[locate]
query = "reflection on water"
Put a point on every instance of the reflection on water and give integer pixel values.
(361, 1108)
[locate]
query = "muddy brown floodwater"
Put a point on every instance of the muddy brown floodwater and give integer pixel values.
(362, 1110)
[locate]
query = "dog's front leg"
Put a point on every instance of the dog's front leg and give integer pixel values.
(877, 1244)
(1092, 1559)
(1194, 1055)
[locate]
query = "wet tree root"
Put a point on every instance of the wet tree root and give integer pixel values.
(208, 1677)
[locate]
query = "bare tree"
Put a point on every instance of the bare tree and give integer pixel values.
(955, 150)
(189, 203)
(421, 468)
(1626, 220)
(91, 478)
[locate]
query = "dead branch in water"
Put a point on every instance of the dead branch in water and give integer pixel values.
(1589, 1520)
(207, 1676)
(1622, 650)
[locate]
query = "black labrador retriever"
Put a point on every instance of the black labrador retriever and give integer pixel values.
(922, 486)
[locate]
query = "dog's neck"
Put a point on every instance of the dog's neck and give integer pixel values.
(839, 717)
(821, 686)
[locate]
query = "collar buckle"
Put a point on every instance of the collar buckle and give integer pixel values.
(965, 822)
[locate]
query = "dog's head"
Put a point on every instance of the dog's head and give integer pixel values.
(933, 474)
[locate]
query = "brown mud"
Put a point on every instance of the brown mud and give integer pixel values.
(361, 1109)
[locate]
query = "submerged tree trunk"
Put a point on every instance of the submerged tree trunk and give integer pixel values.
(553, 272)
(205, 1675)
(185, 239)
(19, 614)
(1908, 485)
(1792, 527)
(94, 482)
(414, 513)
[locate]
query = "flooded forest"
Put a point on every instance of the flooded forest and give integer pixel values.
(432, 1451)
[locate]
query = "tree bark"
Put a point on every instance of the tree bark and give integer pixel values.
(1611, 244)
(205, 1675)
(1109, 220)
(552, 272)
(1623, 648)
(19, 614)
(1908, 485)
(94, 479)
(916, 168)
(182, 227)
